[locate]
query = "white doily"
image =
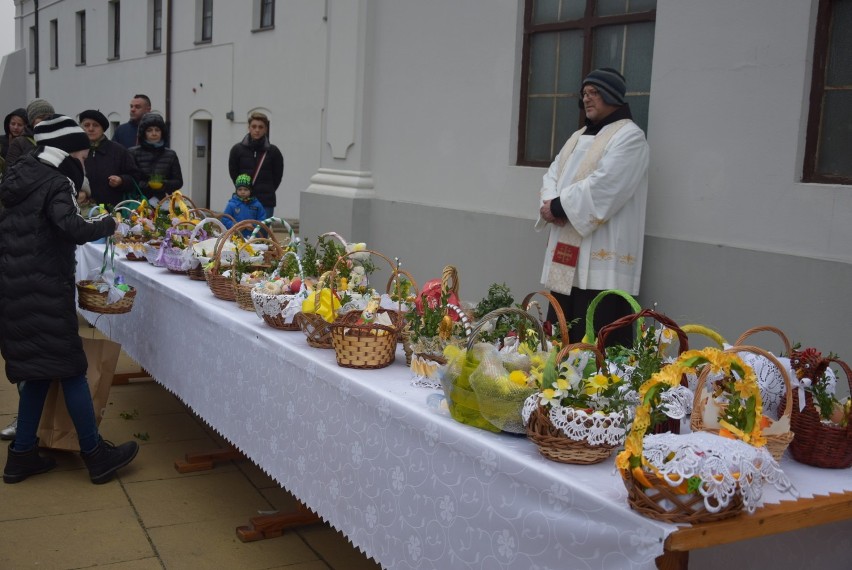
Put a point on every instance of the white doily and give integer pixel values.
(676, 403)
(596, 428)
(725, 466)
(273, 305)
(770, 381)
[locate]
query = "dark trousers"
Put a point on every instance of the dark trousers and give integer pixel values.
(610, 308)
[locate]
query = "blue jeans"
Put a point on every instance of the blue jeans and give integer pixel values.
(78, 400)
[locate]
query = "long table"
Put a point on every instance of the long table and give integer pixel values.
(405, 483)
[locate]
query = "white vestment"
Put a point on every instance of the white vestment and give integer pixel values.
(607, 208)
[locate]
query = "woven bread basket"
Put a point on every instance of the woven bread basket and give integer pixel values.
(242, 292)
(92, 300)
(364, 345)
(221, 286)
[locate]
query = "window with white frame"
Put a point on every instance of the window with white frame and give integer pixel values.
(203, 21)
(829, 134)
(81, 37)
(563, 41)
(54, 44)
(155, 25)
(114, 29)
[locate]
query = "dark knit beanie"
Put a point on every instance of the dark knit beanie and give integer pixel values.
(38, 108)
(61, 132)
(96, 116)
(610, 83)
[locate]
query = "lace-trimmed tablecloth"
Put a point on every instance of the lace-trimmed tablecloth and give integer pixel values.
(408, 486)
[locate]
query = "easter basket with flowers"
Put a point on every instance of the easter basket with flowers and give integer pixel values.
(701, 476)
(137, 215)
(579, 415)
(218, 274)
(821, 422)
(366, 338)
(247, 275)
(278, 300)
(486, 387)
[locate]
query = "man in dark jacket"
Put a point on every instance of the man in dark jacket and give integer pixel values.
(260, 159)
(126, 134)
(110, 168)
(40, 228)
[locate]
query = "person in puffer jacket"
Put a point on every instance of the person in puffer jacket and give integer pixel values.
(159, 166)
(242, 205)
(260, 159)
(40, 228)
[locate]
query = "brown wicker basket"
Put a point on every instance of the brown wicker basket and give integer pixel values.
(223, 287)
(317, 330)
(364, 346)
(662, 502)
(775, 443)
(552, 443)
(96, 302)
(818, 444)
(209, 218)
(449, 284)
(670, 425)
(260, 299)
(242, 293)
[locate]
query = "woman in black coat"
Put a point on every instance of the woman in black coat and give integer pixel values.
(110, 168)
(159, 166)
(40, 227)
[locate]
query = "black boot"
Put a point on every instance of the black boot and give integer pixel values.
(106, 459)
(22, 464)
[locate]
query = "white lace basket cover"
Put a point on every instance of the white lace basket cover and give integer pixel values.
(725, 467)
(596, 428)
(275, 305)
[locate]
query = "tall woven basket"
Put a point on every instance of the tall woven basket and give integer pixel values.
(365, 345)
(819, 444)
(776, 443)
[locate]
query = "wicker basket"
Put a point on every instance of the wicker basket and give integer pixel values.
(263, 301)
(92, 300)
(364, 346)
(223, 287)
(242, 292)
(211, 218)
(775, 443)
(818, 444)
(482, 408)
(671, 425)
(551, 442)
(177, 259)
(663, 503)
(317, 330)
(449, 284)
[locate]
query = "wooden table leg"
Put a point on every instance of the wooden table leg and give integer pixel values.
(673, 560)
(205, 461)
(271, 526)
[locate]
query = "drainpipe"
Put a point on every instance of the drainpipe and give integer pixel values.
(35, 50)
(169, 60)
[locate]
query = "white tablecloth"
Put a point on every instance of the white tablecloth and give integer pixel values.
(409, 486)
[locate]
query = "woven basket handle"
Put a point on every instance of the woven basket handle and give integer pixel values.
(496, 313)
(627, 320)
(599, 357)
(788, 384)
(336, 236)
(707, 332)
(394, 269)
(394, 278)
(560, 316)
(287, 253)
(271, 223)
(845, 368)
(589, 335)
(450, 280)
(225, 237)
(205, 222)
(755, 330)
